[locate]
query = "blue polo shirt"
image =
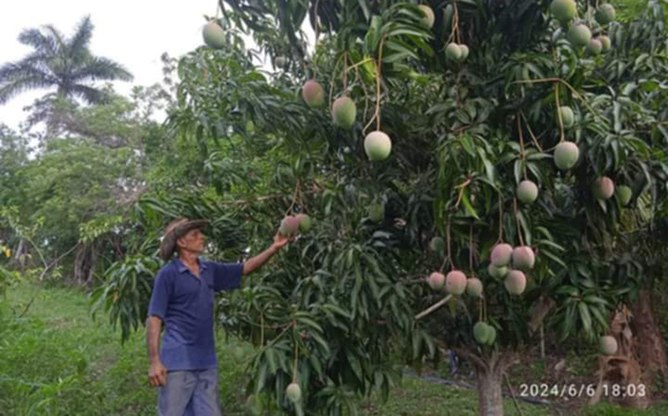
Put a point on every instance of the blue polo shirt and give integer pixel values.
(184, 302)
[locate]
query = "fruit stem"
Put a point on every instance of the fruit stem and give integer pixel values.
(361, 82)
(561, 122)
(378, 75)
(294, 196)
(522, 152)
(500, 239)
(345, 73)
(533, 137)
(378, 64)
(445, 261)
(471, 248)
(447, 236)
(484, 310)
(575, 93)
(455, 22)
(517, 220)
(294, 365)
(333, 81)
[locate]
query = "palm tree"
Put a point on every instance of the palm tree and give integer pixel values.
(64, 63)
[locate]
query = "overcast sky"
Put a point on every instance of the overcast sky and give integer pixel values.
(133, 33)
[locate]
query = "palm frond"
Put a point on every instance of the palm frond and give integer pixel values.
(78, 44)
(99, 68)
(89, 94)
(13, 71)
(44, 45)
(14, 87)
(58, 37)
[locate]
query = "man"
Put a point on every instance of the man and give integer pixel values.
(185, 369)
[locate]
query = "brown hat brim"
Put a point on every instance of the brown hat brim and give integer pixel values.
(176, 230)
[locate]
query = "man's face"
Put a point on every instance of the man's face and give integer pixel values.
(193, 241)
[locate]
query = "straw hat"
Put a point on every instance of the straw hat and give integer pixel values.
(175, 230)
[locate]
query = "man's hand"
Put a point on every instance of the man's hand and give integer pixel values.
(280, 241)
(256, 262)
(157, 374)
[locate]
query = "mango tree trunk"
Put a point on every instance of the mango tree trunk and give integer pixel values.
(490, 369)
(490, 398)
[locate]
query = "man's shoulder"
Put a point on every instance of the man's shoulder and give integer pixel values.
(167, 270)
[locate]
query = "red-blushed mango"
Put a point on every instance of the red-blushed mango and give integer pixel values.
(603, 188)
(595, 46)
(579, 35)
(289, 226)
(624, 194)
(313, 93)
(294, 392)
(515, 282)
(567, 116)
(527, 191)
(344, 112)
(436, 280)
(608, 345)
(605, 42)
(428, 19)
(305, 222)
(566, 155)
(605, 14)
(563, 10)
(501, 254)
(455, 282)
(497, 272)
(523, 258)
(377, 146)
(214, 35)
(474, 287)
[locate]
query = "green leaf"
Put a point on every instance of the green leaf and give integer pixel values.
(467, 205)
(585, 316)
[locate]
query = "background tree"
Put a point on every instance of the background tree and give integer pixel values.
(61, 62)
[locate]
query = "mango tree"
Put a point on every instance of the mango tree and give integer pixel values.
(465, 166)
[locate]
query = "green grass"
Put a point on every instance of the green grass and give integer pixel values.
(419, 398)
(56, 360)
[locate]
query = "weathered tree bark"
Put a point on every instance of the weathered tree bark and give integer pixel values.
(650, 346)
(490, 398)
(19, 258)
(490, 369)
(84, 263)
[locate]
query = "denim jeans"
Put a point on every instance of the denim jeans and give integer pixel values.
(190, 393)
